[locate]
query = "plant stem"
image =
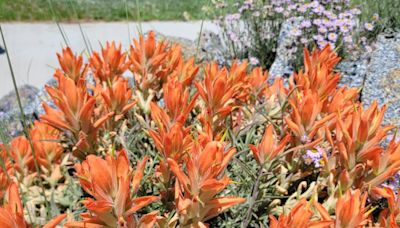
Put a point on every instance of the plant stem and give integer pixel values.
(64, 36)
(138, 17)
(80, 28)
(200, 33)
(253, 199)
(23, 118)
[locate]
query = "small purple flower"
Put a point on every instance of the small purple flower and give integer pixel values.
(305, 24)
(348, 39)
(322, 44)
(291, 7)
(302, 9)
(330, 15)
(317, 22)
(332, 37)
(254, 61)
(314, 4)
(319, 9)
(279, 9)
(304, 40)
(318, 37)
(295, 32)
(322, 30)
(344, 28)
(313, 157)
(369, 26)
(232, 36)
(232, 17)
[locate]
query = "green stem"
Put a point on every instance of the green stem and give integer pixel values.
(23, 118)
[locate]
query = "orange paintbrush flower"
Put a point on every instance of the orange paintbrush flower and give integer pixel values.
(152, 62)
(46, 144)
(71, 65)
(221, 92)
(12, 213)
(350, 211)
(318, 74)
(385, 164)
(258, 81)
(269, 146)
(75, 114)
(110, 65)
(388, 216)
(118, 99)
(197, 185)
(186, 72)
(171, 138)
(359, 135)
(21, 153)
(300, 216)
(172, 142)
(178, 104)
(306, 119)
(111, 182)
(6, 169)
(343, 100)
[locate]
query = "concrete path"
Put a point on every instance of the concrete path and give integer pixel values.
(33, 46)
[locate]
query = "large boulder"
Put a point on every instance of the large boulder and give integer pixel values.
(382, 82)
(189, 47)
(10, 115)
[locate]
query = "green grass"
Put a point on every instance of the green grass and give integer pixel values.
(115, 10)
(388, 11)
(105, 10)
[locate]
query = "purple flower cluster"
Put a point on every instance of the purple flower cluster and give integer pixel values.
(321, 22)
(313, 157)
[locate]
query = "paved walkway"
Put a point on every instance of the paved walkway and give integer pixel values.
(33, 46)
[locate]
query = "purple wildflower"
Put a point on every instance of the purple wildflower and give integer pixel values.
(332, 36)
(254, 61)
(295, 32)
(305, 24)
(313, 157)
(369, 26)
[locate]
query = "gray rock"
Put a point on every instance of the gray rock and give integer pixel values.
(383, 77)
(282, 65)
(353, 72)
(214, 48)
(43, 96)
(10, 115)
(189, 47)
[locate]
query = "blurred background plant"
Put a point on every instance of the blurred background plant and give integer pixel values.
(253, 29)
(103, 10)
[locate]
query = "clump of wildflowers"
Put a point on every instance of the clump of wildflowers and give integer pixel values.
(251, 27)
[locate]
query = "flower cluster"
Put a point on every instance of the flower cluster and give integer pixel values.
(251, 27)
(212, 147)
